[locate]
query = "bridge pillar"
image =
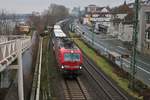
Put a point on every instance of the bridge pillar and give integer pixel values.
(4, 79)
(1, 79)
(20, 71)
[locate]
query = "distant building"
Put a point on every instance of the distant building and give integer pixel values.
(76, 11)
(100, 16)
(35, 13)
(122, 23)
(131, 5)
(144, 28)
(91, 9)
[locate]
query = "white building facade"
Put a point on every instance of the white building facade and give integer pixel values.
(99, 16)
(144, 29)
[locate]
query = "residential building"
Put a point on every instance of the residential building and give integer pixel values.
(143, 44)
(125, 32)
(121, 23)
(99, 16)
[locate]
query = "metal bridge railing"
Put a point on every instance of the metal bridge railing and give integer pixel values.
(8, 48)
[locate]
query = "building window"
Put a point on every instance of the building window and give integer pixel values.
(148, 35)
(147, 17)
(148, 38)
(88, 9)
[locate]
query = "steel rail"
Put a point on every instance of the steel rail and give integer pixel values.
(112, 86)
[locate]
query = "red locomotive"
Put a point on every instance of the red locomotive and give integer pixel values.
(68, 55)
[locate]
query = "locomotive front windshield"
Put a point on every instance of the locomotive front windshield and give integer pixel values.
(71, 57)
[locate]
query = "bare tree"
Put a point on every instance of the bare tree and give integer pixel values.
(6, 23)
(56, 13)
(50, 16)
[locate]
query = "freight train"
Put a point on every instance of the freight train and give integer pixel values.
(68, 55)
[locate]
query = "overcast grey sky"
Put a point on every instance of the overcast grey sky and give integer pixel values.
(27, 6)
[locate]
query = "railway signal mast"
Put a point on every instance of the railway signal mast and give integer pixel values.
(134, 45)
(93, 26)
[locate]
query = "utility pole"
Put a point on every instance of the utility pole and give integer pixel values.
(93, 32)
(134, 45)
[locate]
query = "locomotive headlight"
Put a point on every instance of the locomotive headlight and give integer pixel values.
(62, 67)
(80, 67)
(71, 51)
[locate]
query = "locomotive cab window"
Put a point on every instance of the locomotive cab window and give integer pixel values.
(71, 57)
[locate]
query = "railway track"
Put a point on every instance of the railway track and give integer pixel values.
(74, 90)
(110, 90)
